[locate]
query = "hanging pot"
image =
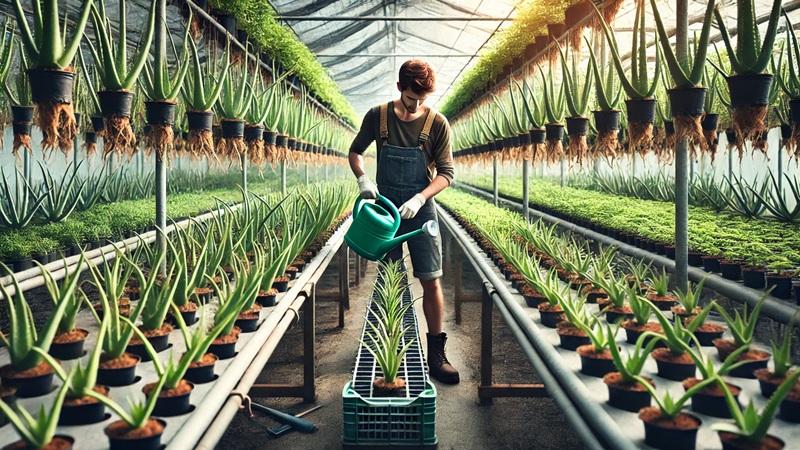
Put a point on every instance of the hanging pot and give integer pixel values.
(270, 136)
(514, 141)
(794, 110)
(89, 137)
(606, 120)
(22, 114)
(750, 89)
(710, 121)
(282, 140)
(577, 126)
(69, 350)
(641, 110)
(669, 127)
(232, 129)
(662, 433)
(200, 120)
(51, 86)
(117, 439)
(687, 101)
(253, 133)
(30, 383)
(554, 131)
(116, 103)
(161, 113)
(537, 136)
(786, 131)
(97, 123)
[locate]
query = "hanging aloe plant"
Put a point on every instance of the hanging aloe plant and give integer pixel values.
(50, 54)
(789, 81)
(20, 95)
(748, 83)
(607, 118)
(638, 87)
(577, 105)
(201, 89)
(92, 107)
(535, 111)
(233, 103)
(710, 117)
(555, 109)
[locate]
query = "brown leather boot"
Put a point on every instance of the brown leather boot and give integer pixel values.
(438, 366)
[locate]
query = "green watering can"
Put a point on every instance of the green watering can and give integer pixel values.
(371, 234)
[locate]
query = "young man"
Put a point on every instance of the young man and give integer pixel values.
(415, 162)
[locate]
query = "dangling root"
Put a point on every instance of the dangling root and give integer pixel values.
(690, 127)
(161, 139)
(795, 139)
(554, 150)
(201, 143)
(90, 148)
(257, 154)
(606, 144)
(711, 143)
(748, 122)
(231, 148)
(761, 144)
(180, 144)
(574, 38)
(527, 152)
(577, 148)
(609, 13)
(57, 122)
(659, 139)
(22, 140)
(119, 138)
(640, 137)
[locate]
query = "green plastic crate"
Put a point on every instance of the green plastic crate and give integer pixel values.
(389, 421)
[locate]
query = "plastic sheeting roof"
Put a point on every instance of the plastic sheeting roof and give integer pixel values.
(366, 80)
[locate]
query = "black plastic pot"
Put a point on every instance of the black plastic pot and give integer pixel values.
(569, 342)
(146, 443)
(232, 129)
(669, 251)
(498, 144)
(84, 414)
(695, 259)
(159, 343)
(51, 86)
(89, 137)
(750, 89)
(786, 131)
(247, 325)
(22, 113)
(524, 138)
(670, 438)
(200, 120)
(266, 300)
(577, 126)
(710, 121)
(20, 128)
(641, 110)
(68, 351)
(115, 103)
(711, 263)
(97, 123)
(746, 370)
(783, 286)
(687, 101)
(160, 112)
(253, 133)
(614, 316)
(628, 400)
(675, 372)
(269, 137)
(712, 405)
(669, 127)
(794, 109)
(554, 131)
(174, 405)
(755, 279)
(789, 411)
(291, 143)
(730, 270)
(281, 286)
(31, 387)
(223, 351)
(606, 120)
(596, 367)
(202, 374)
(538, 136)
(117, 377)
(514, 141)
(281, 140)
(706, 339)
(550, 319)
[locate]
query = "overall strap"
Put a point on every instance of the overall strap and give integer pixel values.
(384, 123)
(426, 129)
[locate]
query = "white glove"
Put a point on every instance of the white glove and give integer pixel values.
(368, 188)
(410, 208)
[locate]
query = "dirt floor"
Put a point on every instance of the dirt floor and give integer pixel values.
(461, 422)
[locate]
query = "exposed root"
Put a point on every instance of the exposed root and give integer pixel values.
(761, 145)
(640, 137)
(161, 139)
(748, 122)
(795, 144)
(539, 152)
(606, 144)
(527, 152)
(57, 122)
(231, 148)
(554, 150)
(119, 138)
(90, 148)
(690, 127)
(180, 144)
(22, 140)
(255, 150)
(577, 149)
(575, 38)
(711, 143)
(201, 143)
(609, 13)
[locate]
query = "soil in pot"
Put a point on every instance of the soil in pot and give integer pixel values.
(634, 329)
(711, 399)
(758, 358)
(613, 314)
(731, 441)
(532, 297)
(708, 332)
(678, 433)
(118, 371)
(267, 298)
(122, 437)
(673, 367)
(595, 364)
(225, 346)
(571, 336)
(247, 321)
(281, 283)
(593, 294)
(550, 314)
(83, 410)
(202, 371)
(626, 396)
(33, 382)
(768, 381)
(58, 443)
(158, 338)
(68, 345)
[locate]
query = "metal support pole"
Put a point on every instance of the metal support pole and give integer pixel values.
(526, 169)
(494, 177)
(780, 168)
(309, 347)
(633, 165)
(244, 175)
(563, 169)
(691, 168)
(160, 45)
(26, 166)
(682, 164)
(283, 178)
(457, 284)
(730, 162)
(486, 342)
(306, 174)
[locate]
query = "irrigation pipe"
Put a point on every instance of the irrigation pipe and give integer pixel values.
(563, 381)
(219, 397)
(774, 308)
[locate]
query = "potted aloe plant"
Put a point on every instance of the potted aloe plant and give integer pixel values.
(555, 109)
(535, 111)
(672, 361)
(50, 54)
(570, 331)
(577, 97)
(596, 358)
(642, 310)
(20, 95)
(710, 117)
(616, 292)
(198, 342)
(233, 104)
(641, 103)
(28, 371)
(118, 74)
(659, 293)
(750, 427)
(789, 78)
(624, 391)
(156, 294)
(769, 380)
(749, 84)
(68, 341)
(39, 432)
(238, 299)
(742, 327)
(606, 119)
(711, 399)
(201, 89)
(551, 312)
(688, 301)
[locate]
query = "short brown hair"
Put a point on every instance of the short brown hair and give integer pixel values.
(418, 76)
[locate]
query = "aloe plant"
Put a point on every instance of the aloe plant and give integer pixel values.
(158, 83)
(47, 46)
(668, 406)
(782, 355)
(632, 366)
(67, 293)
(554, 98)
(788, 77)
(608, 93)
(39, 432)
(577, 96)
(684, 75)
(532, 104)
(776, 202)
(602, 337)
(202, 87)
(742, 326)
(233, 301)
(18, 206)
(751, 55)
(20, 94)
(61, 198)
(744, 199)
(236, 96)
(139, 412)
(690, 299)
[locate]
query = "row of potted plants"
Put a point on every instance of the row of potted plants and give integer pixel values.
(736, 242)
(521, 249)
(252, 246)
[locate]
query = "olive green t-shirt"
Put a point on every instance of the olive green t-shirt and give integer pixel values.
(438, 152)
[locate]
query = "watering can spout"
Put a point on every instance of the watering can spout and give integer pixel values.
(431, 228)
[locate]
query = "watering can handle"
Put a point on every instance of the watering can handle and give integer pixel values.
(392, 208)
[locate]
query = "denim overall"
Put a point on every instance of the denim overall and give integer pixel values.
(403, 173)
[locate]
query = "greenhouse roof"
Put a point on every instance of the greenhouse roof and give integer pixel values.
(364, 54)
